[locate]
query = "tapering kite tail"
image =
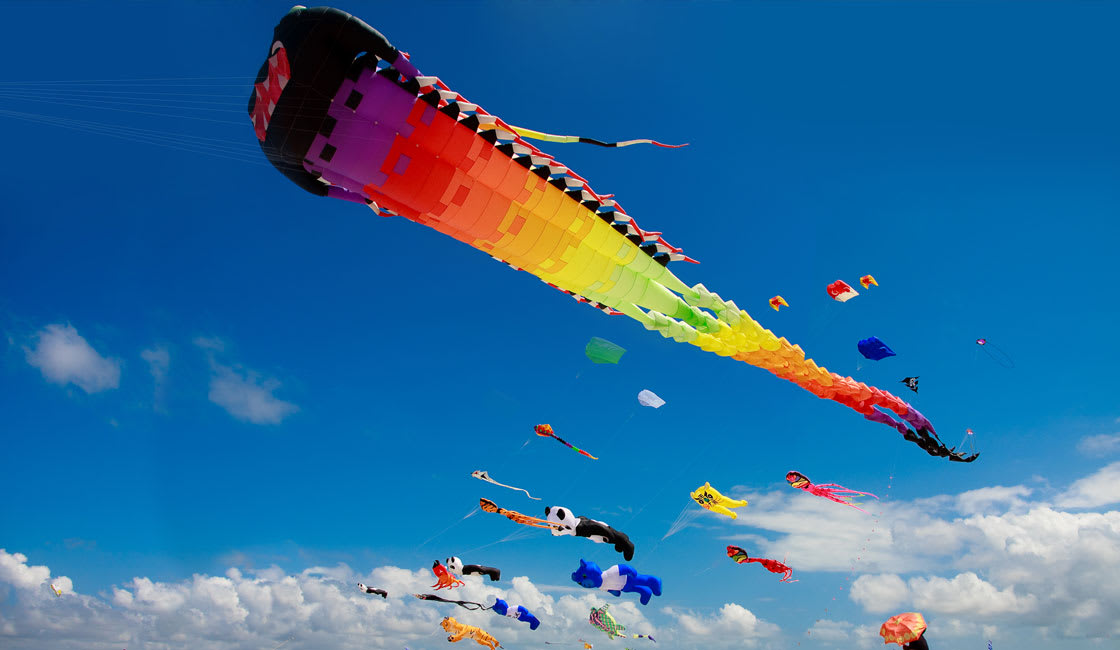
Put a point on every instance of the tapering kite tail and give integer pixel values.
(489, 506)
(411, 147)
(545, 431)
(838, 494)
(568, 139)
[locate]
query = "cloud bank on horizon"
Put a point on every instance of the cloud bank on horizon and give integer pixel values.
(1014, 564)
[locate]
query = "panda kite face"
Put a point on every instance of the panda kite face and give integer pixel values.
(455, 565)
(562, 517)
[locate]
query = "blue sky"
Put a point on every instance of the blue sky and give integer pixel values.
(214, 381)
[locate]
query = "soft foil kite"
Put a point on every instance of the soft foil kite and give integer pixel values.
(907, 630)
(545, 431)
(372, 590)
(874, 349)
(459, 631)
(740, 556)
(457, 569)
(500, 607)
(841, 291)
(603, 351)
(830, 491)
(710, 498)
(444, 579)
(650, 398)
(602, 619)
(777, 302)
(867, 281)
(911, 383)
(344, 114)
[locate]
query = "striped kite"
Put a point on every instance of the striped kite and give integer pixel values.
(344, 114)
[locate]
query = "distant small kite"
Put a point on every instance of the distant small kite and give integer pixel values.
(841, 291)
(710, 498)
(773, 566)
(874, 349)
(911, 383)
(830, 491)
(603, 351)
(867, 281)
(444, 579)
(371, 590)
(482, 475)
(650, 398)
(777, 301)
(996, 354)
(545, 431)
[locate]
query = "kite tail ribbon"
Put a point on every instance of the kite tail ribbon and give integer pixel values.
(568, 139)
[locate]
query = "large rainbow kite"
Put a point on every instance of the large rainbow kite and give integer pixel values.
(344, 114)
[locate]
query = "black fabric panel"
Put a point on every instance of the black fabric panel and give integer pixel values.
(321, 45)
(353, 100)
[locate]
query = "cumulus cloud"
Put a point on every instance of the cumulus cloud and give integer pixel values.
(1101, 488)
(247, 396)
(64, 357)
(1099, 445)
(321, 608)
(243, 393)
(830, 631)
(316, 608)
(731, 621)
(1001, 555)
(965, 593)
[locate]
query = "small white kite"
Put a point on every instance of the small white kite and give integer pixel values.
(649, 398)
(482, 475)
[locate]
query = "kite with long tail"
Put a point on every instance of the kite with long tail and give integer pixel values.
(830, 491)
(344, 114)
(545, 431)
(483, 475)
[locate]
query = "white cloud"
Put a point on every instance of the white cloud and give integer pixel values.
(1101, 488)
(319, 607)
(159, 362)
(15, 571)
(731, 621)
(1099, 445)
(64, 357)
(880, 593)
(830, 631)
(990, 498)
(965, 593)
(1001, 555)
(245, 394)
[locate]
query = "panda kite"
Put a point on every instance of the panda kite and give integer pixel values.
(458, 569)
(566, 523)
